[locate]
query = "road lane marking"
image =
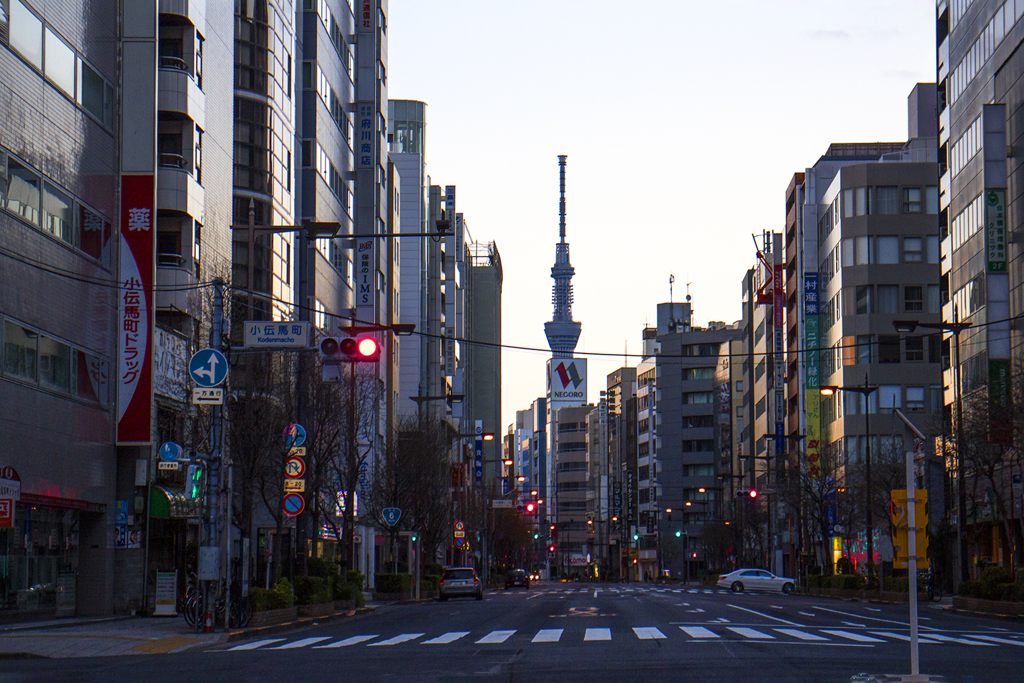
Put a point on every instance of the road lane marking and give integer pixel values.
(345, 643)
(396, 640)
(449, 637)
(496, 637)
(775, 606)
(802, 635)
(1004, 641)
(299, 643)
(861, 616)
(699, 632)
(962, 641)
(255, 644)
(854, 624)
(852, 636)
(750, 633)
(806, 614)
(536, 596)
(903, 636)
(873, 609)
(547, 635)
(766, 616)
(598, 634)
(648, 633)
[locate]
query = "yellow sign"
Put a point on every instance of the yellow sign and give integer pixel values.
(900, 533)
(297, 452)
(295, 485)
(460, 534)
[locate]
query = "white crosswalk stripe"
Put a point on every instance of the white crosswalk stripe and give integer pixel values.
(903, 636)
(449, 637)
(354, 640)
(750, 633)
(255, 644)
(962, 641)
(1003, 641)
(699, 632)
(397, 639)
(797, 633)
(860, 638)
(299, 643)
(495, 637)
(648, 633)
(598, 634)
(547, 635)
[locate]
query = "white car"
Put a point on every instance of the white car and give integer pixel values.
(755, 579)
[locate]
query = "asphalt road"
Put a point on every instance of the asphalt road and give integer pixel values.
(557, 633)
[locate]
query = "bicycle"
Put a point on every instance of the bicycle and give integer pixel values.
(932, 587)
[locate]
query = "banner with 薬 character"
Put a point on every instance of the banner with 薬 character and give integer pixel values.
(136, 309)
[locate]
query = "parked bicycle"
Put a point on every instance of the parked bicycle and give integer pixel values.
(931, 585)
(194, 609)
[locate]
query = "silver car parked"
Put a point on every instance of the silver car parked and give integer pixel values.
(460, 581)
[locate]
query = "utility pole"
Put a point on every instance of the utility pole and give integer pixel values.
(216, 461)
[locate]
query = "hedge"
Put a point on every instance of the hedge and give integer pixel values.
(393, 583)
(279, 597)
(313, 590)
(430, 582)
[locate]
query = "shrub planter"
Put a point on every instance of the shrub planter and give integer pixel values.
(344, 605)
(391, 597)
(1000, 607)
(273, 616)
(321, 609)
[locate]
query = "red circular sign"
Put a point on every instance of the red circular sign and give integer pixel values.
(459, 526)
(294, 468)
(293, 504)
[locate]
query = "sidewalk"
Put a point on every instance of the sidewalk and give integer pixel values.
(111, 636)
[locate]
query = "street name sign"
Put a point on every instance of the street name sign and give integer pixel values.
(502, 503)
(261, 334)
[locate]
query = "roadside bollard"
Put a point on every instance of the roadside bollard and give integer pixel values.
(208, 626)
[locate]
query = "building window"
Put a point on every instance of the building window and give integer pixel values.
(26, 34)
(863, 302)
(698, 397)
(915, 349)
(54, 365)
(913, 298)
(912, 200)
(863, 250)
(888, 348)
(887, 200)
(915, 398)
(888, 249)
(890, 396)
(888, 298)
(912, 250)
(861, 195)
(22, 192)
(863, 349)
(20, 351)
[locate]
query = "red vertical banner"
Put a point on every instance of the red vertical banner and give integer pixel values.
(136, 310)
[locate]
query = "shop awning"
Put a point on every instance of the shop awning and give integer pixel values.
(167, 503)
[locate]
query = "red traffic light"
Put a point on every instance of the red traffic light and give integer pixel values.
(351, 349)
(753, 493)
(551, 548)
(530, 507)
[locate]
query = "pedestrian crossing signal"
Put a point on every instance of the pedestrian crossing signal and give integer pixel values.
(193, 479)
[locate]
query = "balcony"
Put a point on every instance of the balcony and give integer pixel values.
(178, 91)
(176, 284)
(177, 189)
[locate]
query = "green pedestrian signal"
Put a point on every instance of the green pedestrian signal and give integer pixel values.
(679, 533)
(193, 481)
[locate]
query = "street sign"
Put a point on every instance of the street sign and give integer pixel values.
(167, 465)
(459, 526)
(294, 435)
(459, 542)
(502, 503)
(295, 485)
(281, 335)
(170, 452)
(297, 452)
(208, 367)
(294, 468)
(207, 396)
(460, 534)
(6, 513)
(293, 504)
(391, 515)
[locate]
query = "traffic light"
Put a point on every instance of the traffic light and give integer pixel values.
(364, 348)
(536, 535)
(746, 493)
(193, 481)
(530, 508)
(414, 537)
(551, 548)
(679, 533)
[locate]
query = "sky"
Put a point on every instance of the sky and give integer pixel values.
(683, 121)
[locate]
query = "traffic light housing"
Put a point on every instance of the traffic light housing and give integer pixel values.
(746, 493)
(193, 481)
(363, 348)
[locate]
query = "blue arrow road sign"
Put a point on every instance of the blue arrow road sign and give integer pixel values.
(391, 515)
(170, 452)
(294, 435)
(208, 367)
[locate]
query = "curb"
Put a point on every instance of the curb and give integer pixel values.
(270, 629)
(70, 623)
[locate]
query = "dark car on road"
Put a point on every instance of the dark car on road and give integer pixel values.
(460, 582)
(517, 577)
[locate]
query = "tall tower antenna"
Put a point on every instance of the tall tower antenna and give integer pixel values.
(562, 331)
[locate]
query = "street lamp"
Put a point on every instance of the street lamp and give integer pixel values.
(956, 327)
(866, 391)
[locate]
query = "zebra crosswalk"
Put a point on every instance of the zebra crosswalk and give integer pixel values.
(711, 633)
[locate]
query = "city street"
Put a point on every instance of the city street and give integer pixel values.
(590, 632)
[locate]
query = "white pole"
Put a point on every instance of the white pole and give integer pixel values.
(915, 666)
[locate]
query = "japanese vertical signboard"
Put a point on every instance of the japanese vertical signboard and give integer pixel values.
(995, 230)
(998, 302)
(811, 383)
(135, 310)
(478, 453)
(779, 312)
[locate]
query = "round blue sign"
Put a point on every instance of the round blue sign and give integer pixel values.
(208, 367)
(170, 452)
(294, 435)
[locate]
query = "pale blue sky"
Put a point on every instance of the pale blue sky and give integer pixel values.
(683, 120)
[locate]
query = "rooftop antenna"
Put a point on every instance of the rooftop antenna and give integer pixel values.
(671, 279)
(688, 297)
